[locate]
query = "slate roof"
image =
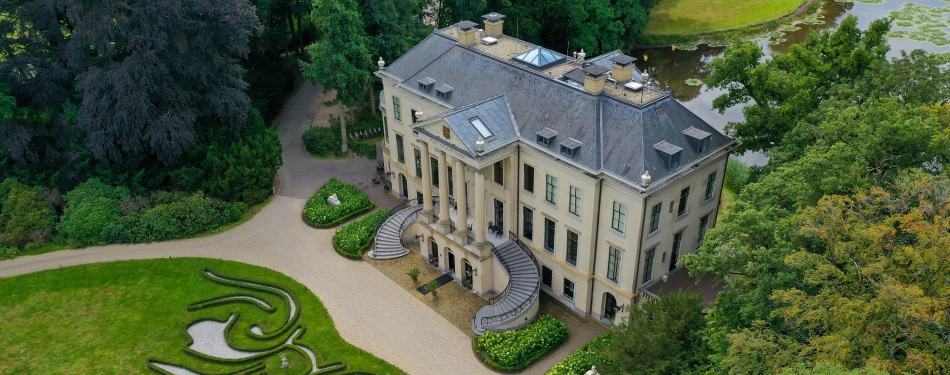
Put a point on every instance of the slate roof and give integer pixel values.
(606, 60)
(517, 101)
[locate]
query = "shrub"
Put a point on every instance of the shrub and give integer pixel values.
(354, 238)
(365, 149)
(323, 141)
(581, 360)
(432, 286)
(184, 217)
(413, 274)
(8, 252)
(245, 169)
(26, 217)
(317, 213)
(737, 175)
(83, 223)
(94, 188)
(516, 350)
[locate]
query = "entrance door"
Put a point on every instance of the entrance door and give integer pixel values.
(468, 273)
(500, 215)
(610, 306)
(405, 186)
(433, 253)
(451, 265)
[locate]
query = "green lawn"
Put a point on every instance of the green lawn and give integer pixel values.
(112, 318)
(703, 16)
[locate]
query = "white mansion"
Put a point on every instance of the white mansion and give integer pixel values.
(538, 171)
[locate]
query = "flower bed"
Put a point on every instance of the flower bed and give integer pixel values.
(516, 350)
(318, 214)
(581, 360)
(354, 238)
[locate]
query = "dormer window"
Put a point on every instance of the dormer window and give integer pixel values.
(670, 153)
(571, 148)
(425, 84)
(480, 126)
(546, 136)
(660, 112)
(698, 139)
(443, 92)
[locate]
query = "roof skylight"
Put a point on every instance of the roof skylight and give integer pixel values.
(540, 58)
(480, 126)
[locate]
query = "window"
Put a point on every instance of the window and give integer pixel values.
(423, 87)
(480, 126)
(702, 231)
(710, 182)
(684, 199)
(677, 241)
(703, 145)
(434, 171)
(655, 217)
(571, 248)
(619, 222)
(551, 189)
(569, 152)
(568, 289)
(543, 140)
(498, 172)
(648, 265)
(675, 161)
(529, 178)
(397, 108)
(400, 153)
(546, 275)
(574, 204)
(386, 128)
(528, 224)
(415, 152)
(549, 235)
(499, 214)
(613, 264)
(451, 182)
(440, 95)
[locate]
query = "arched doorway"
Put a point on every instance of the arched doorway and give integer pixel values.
(404, 185)
(467, 275)
(433, 253)
(610, 306)
(451, 265)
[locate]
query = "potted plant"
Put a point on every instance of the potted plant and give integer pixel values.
(414, 274)
(432, 286)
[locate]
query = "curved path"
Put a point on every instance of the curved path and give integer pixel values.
(368, 309)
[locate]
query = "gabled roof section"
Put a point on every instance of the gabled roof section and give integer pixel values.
(494, 113)
(540, 58)
(419, 56)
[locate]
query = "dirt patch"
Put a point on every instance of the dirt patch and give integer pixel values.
(455, 303)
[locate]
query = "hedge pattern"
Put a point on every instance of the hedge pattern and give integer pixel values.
(516, 350)
(318, 214)
(581, 360)
(354, 238)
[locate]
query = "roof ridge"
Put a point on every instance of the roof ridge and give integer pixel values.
(467, 106)
(421, 42)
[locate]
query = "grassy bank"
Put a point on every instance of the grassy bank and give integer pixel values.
(705, 16)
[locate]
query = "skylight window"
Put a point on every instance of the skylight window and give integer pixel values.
(540, 58)
(480, 126)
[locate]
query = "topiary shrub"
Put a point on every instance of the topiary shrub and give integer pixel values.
(354, 238)
(26, 217)
(318, 214)
(585, 357)
(516, 350)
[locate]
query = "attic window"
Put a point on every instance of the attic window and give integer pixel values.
(698, 139)
(571, 148)
(480, 126)
(546, 136)
(670, 153)
(443, 92)
(425, 84)
(660, 112)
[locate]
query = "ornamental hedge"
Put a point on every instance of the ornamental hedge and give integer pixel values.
(585, 357)
(514, 351)
(354, 238)
(318, 214)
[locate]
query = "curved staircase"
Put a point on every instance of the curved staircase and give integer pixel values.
(517, 305)
(388, 243)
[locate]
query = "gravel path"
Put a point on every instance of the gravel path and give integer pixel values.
(369, 310)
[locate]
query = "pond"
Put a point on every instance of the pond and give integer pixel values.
(675, 67)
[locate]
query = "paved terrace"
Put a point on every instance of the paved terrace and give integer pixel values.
(680, 280)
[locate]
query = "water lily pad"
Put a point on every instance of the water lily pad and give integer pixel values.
(816, 19)
(720, 44)
(862, 1)
(687, 46)
(923, 23)
(694, 82)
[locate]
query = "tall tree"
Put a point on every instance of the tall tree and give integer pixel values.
(342, 61)
(453, 11)
(393, 26)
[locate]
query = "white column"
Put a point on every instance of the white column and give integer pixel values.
(427, 212)
(445, 222)
(481, 244)
(461, 233)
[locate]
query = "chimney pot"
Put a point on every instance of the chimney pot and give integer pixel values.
(493, 24)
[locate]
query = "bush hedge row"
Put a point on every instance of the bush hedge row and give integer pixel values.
(581, 360)
(516, 350)
(354, 238)
(318, 214)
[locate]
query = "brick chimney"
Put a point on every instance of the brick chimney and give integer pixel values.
(493, 24)
(622, 67)
(467, 33)
(595, 77)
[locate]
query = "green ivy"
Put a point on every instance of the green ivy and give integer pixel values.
(516, 350)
